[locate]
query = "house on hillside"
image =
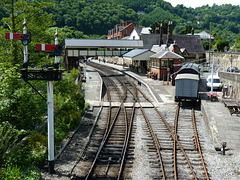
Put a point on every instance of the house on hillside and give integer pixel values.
(203, 35)
(137, 32)
(122, 30)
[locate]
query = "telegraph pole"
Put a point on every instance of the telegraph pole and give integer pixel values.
(210, 41)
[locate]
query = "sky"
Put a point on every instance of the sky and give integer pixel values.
(199, 3)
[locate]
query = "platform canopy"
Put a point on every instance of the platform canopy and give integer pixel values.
(139, 54)
(102, 43)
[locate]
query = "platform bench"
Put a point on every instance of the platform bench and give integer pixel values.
(232, 105)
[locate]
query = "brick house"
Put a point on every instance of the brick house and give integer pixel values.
(121, 30)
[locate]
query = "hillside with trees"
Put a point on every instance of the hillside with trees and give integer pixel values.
(95, 17)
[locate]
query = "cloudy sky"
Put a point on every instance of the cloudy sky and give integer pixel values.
(200, 3)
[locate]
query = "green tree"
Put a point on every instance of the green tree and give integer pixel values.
(205, 44)
(19, 104)
(187, 30)
(222, 44)
(38, 21)
(237, 44)
(155, 27)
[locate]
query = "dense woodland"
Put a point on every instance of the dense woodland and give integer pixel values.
(93, 18)
(22, 110)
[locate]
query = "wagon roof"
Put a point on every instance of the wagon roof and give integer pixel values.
(187, 76)
(189, 68)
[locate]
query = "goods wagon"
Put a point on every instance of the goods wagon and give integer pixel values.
(187, 83)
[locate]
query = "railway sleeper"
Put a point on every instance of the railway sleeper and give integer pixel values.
(110, 153)
(104, 177)
(105, 159)
(110, 145)
(130, 158)
(157, 177)
(113, 148)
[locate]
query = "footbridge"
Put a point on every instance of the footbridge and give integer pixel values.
(77, 49)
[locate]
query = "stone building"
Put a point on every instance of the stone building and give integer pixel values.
(121, 30)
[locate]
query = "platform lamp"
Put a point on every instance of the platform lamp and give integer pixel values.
(231, 60)
(212, 79)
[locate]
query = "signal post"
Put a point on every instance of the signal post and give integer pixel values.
(49, 74)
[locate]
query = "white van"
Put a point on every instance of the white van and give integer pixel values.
(217, 84)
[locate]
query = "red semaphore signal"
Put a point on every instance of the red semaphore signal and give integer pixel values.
(46, 47)
(13, 35)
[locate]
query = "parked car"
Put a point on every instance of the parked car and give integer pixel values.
(217, 84)
(233, 69)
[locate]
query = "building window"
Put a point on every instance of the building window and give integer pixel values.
(158, 63)
(125, 32)
(133, 37)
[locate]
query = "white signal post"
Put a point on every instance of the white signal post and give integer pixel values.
(51, 119)
(50, 127)
(26, 73)
(56, 43)
(25, 47)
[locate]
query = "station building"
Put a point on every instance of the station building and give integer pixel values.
(158, 54)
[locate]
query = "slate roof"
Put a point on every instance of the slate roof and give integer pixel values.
(192, 43)
(157, 48)
(138, 30)
(166, 55)
(135, 52)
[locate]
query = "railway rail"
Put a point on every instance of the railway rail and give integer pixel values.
(173, 145)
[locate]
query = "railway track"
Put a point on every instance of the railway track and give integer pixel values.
(173, 146)
(182, 144)
(109, 159)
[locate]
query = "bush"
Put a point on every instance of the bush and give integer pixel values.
(71, 105)
(8, 137)
(33, 153)
(66, 119)
(27, 114)
(14, 172)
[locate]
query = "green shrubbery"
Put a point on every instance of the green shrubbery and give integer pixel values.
(24, 162)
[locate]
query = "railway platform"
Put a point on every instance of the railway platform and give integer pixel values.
(223, 126)
(161, 91)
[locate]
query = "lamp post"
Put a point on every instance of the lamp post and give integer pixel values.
(212, 79)
(231, 60)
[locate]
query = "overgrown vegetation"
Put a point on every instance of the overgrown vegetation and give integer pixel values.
(33, 153)
(22, 110)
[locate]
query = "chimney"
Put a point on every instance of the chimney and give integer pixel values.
(161, 33)
(192, 31)
(174, 47)
(169, 35)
